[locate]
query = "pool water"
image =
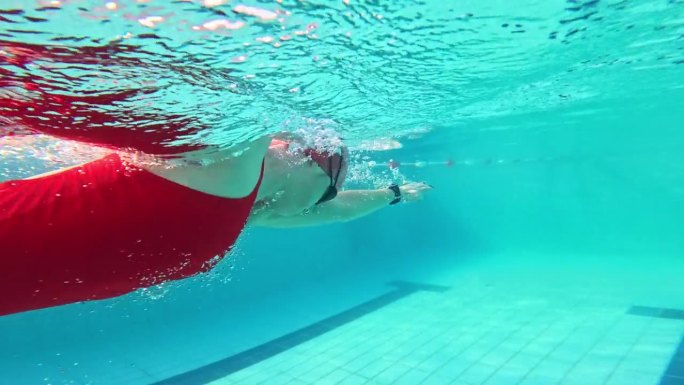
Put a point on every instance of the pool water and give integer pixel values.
(549, 251)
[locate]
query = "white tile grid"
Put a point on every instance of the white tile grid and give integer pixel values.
(466, 365)
(400, 365)
(338, 357)
(353, 347)
(324, 347)
(402, 337)
(466, 338)
(340, 339)
(516, 364)
(628, 372)
(601, 358)
(649, 356)
(494, 341)
(541, 348)
(605, 360)
(503, 351)
(384, 347)
(407, 366)
(566, 350)
(470, 326)
(478, 359)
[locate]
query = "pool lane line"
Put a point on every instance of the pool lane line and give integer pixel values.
(674, 374)
(224, 367)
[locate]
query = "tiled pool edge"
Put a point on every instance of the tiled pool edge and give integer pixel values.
(234, 363)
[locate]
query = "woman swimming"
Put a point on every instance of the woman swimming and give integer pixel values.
(117, 224)
(111, 226)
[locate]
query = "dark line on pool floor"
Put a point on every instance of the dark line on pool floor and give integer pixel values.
(657, 312)
(239, 361)
(674, 374)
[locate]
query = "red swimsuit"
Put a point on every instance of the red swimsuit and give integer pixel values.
(104, 229)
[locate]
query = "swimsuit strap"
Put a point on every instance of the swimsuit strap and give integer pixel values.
(339, 169)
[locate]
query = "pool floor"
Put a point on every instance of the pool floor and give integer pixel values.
(490, 337)
(489, 328)
(494, 320)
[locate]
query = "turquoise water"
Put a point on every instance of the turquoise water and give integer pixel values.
(557, 231)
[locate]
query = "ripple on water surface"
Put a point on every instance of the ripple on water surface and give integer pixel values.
(225, 71)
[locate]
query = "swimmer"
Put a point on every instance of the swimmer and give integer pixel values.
(121, 223)
(112, 226)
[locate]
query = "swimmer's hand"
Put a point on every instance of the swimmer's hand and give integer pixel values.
(413, 191)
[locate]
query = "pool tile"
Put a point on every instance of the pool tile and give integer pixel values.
(231, 364)
(488, 347)
(551, 369)
(498, 356)
(627, 377)
(478, 373)
(644, 363)
(585, 377)
(391, 374)
(353, 379)
(524, 361)
(412, 377)
(376, 367)
(539, 379)
(436, 379)
(451, 370)
(506, 376)
(668, 380)
(332, 378)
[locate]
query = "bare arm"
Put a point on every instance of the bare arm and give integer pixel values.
(347, 206)
(231, 176)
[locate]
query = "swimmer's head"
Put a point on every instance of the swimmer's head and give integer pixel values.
(333, 161)
(335, 164)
